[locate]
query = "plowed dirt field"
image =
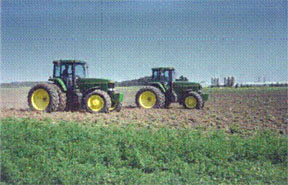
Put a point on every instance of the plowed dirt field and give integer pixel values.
(235, 110)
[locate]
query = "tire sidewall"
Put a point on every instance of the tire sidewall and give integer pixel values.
(154, 90)
(198, 98)
(104, 109)
(32, 90)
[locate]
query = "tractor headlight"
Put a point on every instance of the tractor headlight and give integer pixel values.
(111, 86)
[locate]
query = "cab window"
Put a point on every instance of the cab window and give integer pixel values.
(66, 70)
(80, 71)
(166, 76)
(56, 70)
(155, 76)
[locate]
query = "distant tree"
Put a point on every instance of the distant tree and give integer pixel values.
(135, 82)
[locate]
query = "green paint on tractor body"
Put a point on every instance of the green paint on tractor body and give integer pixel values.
(159, 85)
(84, 84)
(117, 97)
(87, 83)
(59, 82)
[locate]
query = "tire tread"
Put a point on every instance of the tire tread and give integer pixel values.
(62, 98)
(200, 102)
(104, 95)
(160, 97)
(52, 91)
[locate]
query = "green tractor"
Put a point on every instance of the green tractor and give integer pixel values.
(70, 90)
(164, 89)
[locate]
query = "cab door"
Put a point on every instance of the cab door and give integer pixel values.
(67, 74)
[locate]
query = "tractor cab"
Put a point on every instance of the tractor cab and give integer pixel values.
(164, 75)
(69, 71)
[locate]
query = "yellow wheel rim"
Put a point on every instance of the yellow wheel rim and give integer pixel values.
(190, 102)
(95, 103)
(40, 99)
(147, 99)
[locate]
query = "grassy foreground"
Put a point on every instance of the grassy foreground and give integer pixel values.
(40, 152)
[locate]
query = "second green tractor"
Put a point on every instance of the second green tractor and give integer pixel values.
(164, 89)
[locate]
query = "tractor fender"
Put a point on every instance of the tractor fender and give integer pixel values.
(59, 82)
(85, 93)
(181, 95)
(90, 90)
(159, 86)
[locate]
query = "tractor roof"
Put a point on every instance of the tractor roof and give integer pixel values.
(163, 68)
(69, 62)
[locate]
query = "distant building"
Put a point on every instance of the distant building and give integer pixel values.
(215, 82)
(229, 81)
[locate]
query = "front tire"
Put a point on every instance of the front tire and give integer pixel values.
(150, 97)
(97, 101)
(43, 97)
(192, 100)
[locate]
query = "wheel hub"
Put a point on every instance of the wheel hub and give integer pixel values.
(95, 103)
(190, 102)
(147, 99)
(40, 99)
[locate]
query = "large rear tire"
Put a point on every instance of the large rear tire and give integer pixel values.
(150, 97)
(62, 98)
(43, 97)
(192, 100)
(97, 101)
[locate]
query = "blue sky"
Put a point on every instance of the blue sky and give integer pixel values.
(123, 40)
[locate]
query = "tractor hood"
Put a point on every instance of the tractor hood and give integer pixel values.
(187, 85)
(94, 80)
(90, 83)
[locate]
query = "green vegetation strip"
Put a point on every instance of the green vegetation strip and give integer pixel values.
(42, 152)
